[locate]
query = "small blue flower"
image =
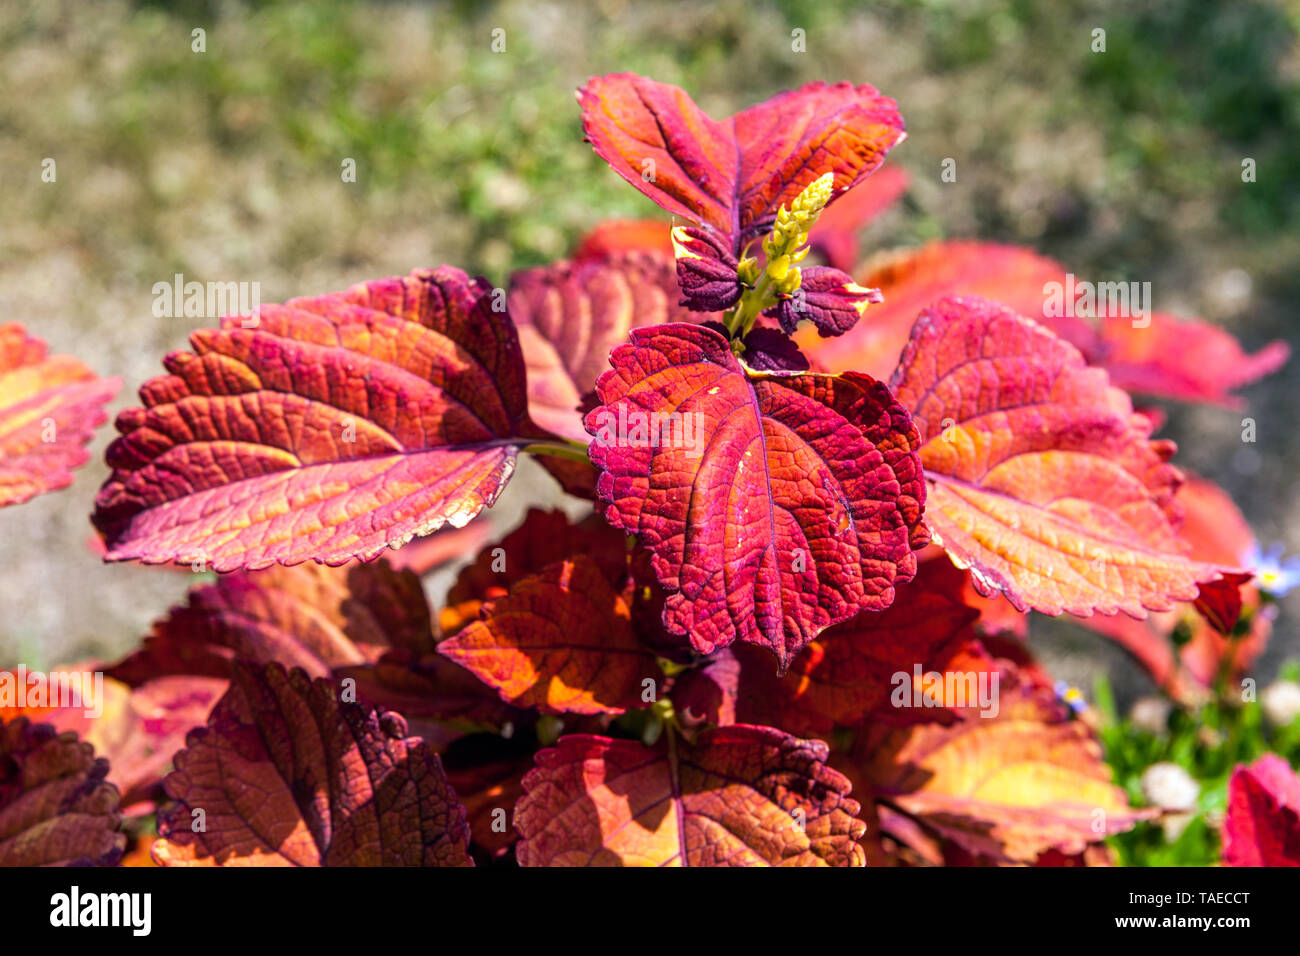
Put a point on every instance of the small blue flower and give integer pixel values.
(1071, 696)
(1273, 573)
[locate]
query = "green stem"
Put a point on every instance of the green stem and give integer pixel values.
(575, 451)
(751, 303)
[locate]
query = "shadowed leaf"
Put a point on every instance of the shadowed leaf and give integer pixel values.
(287, 775)
(56, 807)
(562, 641)
(570, 315)
(309, 616)
(737, 796)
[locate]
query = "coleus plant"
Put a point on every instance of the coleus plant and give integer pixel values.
(704, 671)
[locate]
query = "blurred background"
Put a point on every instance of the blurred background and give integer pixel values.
(224, 165)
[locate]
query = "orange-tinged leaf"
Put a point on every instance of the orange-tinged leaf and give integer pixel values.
(849, 672)
(561, 641)
(626, 235)
(56, 808)
(542, 538)
(50, 407)
(737, 796)
(1008, 788)
(1042, 480)
(327, 428)
(732, 175)
(1156, 354)
(1214, 530)
(285, 774)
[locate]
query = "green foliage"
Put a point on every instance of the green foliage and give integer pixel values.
(1208, 743)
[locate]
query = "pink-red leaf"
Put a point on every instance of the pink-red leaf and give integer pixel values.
(50, 407)
(795, 503)
(56, 807)
(1042, 480)
(327, 428)
(285, 774)
(733, 175)
(561, 641)
(737, 796)
(1262, 825)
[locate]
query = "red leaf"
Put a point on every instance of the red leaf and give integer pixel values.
(571, 314)
(1184, 359)
(795, 503)
(561, 641)
(733, 175)
(309, 616)
(285, 775)
(737, 796)
(625, 235)
(1042, 480)
(55, 805)
(49, 408)
(331, 428)
(911, 279)
(1220, 602)
(1187, 360)
(1262, 825)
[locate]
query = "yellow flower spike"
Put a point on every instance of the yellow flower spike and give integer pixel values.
(785, 248)
(809, 203)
